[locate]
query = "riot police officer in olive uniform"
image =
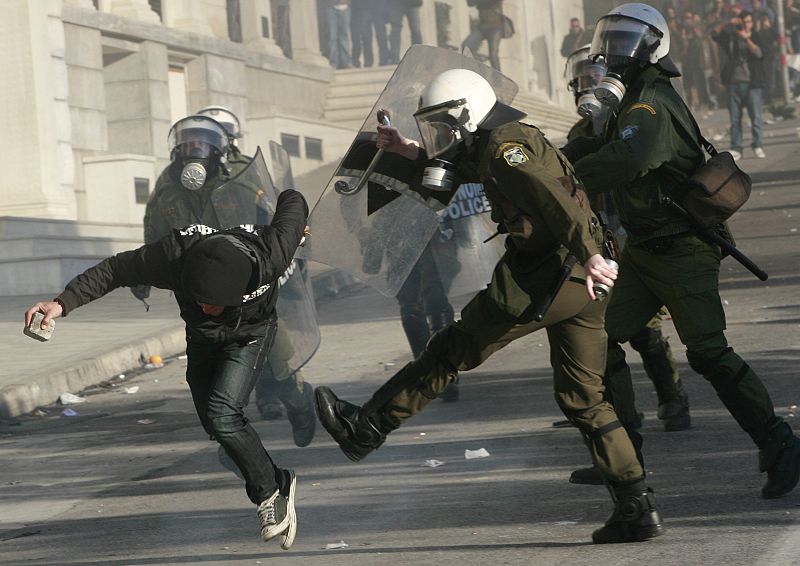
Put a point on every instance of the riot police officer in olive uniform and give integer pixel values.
(584, 75)
(649, 148)
(533, 194)
(205, 157)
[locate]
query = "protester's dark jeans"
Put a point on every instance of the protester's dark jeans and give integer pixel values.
(396, 14)
(361, 33)
(740, 96)
(338, 45)
(221, 378)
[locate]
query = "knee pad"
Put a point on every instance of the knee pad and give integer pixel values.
(705, 362)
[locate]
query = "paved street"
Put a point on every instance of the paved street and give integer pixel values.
(132, 480)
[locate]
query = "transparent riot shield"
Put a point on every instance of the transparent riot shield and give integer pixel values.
(250, 198)
(377, 233)
(281, 167)
(465, 247)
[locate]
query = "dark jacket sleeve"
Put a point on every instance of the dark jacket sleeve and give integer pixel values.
(147, 265)
(285, 232)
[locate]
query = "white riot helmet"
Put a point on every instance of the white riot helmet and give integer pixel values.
(455, 104)
(583, 76)
(199, 142)
(452, 105)
(225, 117)
(630, 33)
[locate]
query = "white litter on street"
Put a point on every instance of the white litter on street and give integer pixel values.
(473, 454)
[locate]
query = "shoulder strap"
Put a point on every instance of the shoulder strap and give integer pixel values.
(704, 143)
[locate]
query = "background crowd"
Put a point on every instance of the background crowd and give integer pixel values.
(697, 29)
(349, 27)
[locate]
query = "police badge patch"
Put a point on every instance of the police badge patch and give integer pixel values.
(628, 132)
(515, 155)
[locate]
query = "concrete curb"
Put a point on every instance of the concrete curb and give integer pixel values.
(44, 389)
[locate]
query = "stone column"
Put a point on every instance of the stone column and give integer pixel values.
(81, 3)
(36, 150)
(132, 9)
(137, 102)
(184, 15)
(252, 36)
(218, 81)
(305, 33)
(87, 101)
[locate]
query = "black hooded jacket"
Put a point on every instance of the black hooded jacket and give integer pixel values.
(160, 264)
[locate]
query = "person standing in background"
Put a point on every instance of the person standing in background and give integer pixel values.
(399, 9)
(338, 14)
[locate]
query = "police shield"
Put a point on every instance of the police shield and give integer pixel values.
(250, 198)
(464, 247)
(377, 229)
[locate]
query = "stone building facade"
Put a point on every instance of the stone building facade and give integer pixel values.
(91, 88)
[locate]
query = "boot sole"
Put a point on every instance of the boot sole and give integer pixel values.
(586, 478)
(633, 535)
(287, 538)
(327, 417)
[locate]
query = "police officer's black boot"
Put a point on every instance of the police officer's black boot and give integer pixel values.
(299, 409)
(635, 518)
(673, 402)
(355, 433)
(780, 458)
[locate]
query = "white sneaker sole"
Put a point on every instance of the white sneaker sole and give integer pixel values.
(287, 538)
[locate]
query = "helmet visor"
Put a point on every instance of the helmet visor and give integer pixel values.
(619, 38)
(440, 126)
(197, 134)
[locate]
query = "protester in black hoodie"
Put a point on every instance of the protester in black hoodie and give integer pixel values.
(226, 285)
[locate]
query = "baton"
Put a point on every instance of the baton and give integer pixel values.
(709, 235)
(563, 275)
(342, 187)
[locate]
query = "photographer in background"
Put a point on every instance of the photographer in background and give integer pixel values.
(743, 77)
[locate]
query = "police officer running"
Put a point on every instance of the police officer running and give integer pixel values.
(225, 284)
(533, 194)
(205, 157)
(648, 150)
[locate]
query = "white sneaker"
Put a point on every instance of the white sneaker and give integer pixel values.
(277, 516)
(735, 154)
(759, 151)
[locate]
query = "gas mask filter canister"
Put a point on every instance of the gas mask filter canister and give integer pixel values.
(193, 175)
(610, 90)
(439, 176)
(589, 106)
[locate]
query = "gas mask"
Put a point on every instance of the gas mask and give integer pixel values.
(200, 143)
(584, 75)
(627, 45)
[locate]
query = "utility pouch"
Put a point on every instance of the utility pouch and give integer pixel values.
(717, 189)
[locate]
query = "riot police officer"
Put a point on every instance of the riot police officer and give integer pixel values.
(649, 148)
(530, 185)
(584, 75)
(205, 157)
